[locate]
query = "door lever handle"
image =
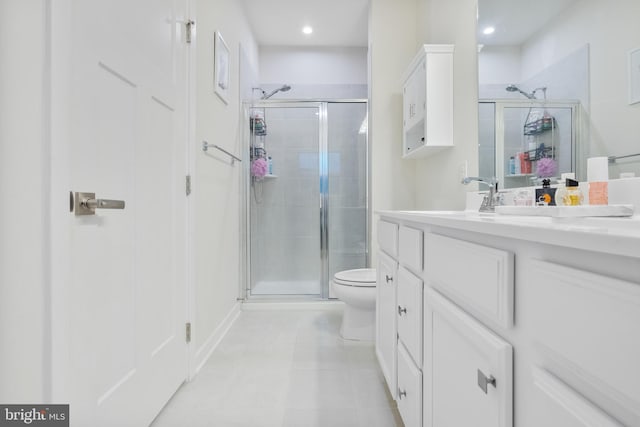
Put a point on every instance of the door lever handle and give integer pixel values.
(86, 204)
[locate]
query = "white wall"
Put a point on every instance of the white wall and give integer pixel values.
(438, 184)
(24, 195)
(392, 45)
(216, 184)
(314, 72)
(612, 30)
(499, 64)
(313, 65)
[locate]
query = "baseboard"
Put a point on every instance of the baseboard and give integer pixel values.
(210, 344)
(291, 305)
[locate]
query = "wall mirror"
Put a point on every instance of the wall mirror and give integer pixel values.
(554, 87)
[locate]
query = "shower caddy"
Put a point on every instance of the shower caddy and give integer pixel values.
(257, 151)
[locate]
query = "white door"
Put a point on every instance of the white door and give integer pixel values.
(119, 122)
(468, 369)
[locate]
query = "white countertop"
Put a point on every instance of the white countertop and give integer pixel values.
(618, 236)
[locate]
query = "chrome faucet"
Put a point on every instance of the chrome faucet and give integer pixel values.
(489, 202)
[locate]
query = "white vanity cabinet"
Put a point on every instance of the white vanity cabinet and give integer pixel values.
(428, 102)
(521, 325)
(399, 316)
(386, 319)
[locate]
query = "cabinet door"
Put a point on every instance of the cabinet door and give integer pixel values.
(409, 390)
(414, 96)
(409, 312)
(386, 331)
(468, 369)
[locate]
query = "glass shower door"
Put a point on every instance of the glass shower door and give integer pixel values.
(347, 242)
(308, 215)
(285, 216)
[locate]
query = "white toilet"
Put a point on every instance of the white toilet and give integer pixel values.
(357, 289)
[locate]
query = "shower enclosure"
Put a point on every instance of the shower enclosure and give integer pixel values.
(521, 141)
(307, 195)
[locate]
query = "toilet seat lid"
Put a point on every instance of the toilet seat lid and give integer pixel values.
(356, 277)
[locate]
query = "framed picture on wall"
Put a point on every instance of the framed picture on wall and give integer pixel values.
(634, 76)
(221, 68)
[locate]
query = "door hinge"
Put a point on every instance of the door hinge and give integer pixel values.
(187, 184)
(190, 26)
(188, 331)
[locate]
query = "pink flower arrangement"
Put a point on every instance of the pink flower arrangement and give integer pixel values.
(545, 167)
(259, 168)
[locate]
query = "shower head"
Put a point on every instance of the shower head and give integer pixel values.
(284, 88)
(514, 88)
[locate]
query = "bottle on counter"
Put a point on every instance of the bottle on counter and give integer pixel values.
(571, 195)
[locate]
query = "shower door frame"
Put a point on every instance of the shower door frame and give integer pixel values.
(501, 104)
(323, 164)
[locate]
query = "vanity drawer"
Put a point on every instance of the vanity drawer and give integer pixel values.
(409, 312)
(479, 278)
(409, 390)
(586, 328)
(388, 237)
(410, 248)
(555, 403)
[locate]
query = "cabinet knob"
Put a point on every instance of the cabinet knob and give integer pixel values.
(483, 381)
(388, 278)
(401, 310)
(401, 394)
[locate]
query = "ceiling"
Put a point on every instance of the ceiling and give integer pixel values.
(515, 21)
(335, 22)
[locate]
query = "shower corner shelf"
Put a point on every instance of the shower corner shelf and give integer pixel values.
(266, 177)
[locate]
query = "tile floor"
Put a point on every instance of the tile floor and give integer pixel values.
(285, 369)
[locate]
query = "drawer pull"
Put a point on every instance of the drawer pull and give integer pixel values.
(401, 310)
(388, 278)
(483, 381)
(401, 394)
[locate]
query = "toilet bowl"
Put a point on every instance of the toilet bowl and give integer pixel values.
(357, 289)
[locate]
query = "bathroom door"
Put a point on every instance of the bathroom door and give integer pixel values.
(119, 130)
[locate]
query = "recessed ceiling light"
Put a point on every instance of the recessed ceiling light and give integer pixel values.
(307, 29)
(488, 30)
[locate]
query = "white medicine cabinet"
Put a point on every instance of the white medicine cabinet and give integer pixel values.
(428, 102)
